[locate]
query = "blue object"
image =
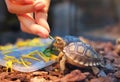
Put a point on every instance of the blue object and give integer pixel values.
(18, 52)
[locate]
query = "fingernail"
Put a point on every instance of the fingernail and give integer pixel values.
(42, 35)
(39, 6)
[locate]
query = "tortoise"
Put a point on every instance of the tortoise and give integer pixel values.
(72, 50)
(62, 42)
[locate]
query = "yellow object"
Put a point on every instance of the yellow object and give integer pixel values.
(30, 57)
(46, 59)
(15, 60)
(21, 43)
(9, 57)
(23, 62)
(9, 65)
(40, 54)
(33, 42)
(36, 40)
(6, 47)
(5, 52)
(53, 57)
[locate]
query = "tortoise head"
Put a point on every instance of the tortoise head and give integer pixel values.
(59, 43)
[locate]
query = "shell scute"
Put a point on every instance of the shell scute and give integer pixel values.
(80, 49)
(82, 53)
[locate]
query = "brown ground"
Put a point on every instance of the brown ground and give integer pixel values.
(110, 52)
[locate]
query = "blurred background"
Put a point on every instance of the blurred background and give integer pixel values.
(92, 18)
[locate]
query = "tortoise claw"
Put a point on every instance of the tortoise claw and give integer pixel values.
(101, 74)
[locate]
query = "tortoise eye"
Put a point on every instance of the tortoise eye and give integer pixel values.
(58, 40)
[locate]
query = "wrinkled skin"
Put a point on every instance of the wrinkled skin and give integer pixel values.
(32, 15)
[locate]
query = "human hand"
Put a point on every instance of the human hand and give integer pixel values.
(32, 15)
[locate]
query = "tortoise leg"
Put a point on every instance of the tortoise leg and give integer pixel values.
(95, 70)
(60, 56)
(62, 64)
(98, 72)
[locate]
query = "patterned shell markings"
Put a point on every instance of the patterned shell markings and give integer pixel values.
(83, 54)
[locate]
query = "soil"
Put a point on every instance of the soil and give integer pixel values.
(110, 52)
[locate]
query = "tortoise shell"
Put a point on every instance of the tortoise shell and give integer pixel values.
(81, 54)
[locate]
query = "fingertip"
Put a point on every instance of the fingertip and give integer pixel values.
(43, 35)
(41, 19)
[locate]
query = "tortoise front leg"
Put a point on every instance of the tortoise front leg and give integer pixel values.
(60, 56)
(62, 64)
